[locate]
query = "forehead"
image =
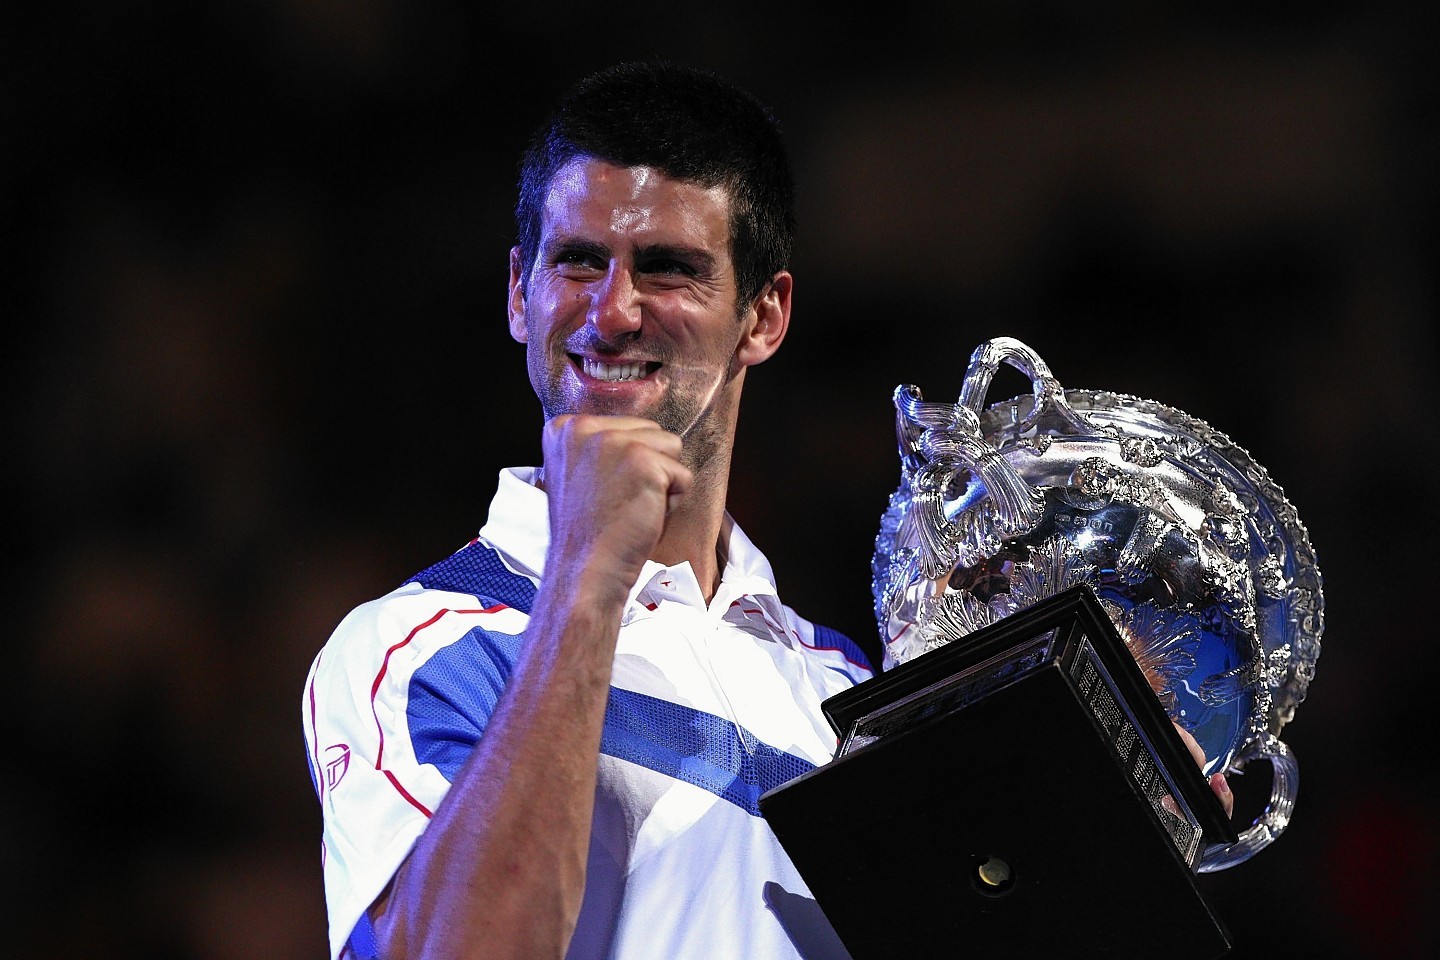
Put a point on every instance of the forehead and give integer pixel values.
(602, 201)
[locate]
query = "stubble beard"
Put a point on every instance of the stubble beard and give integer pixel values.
(680, 415)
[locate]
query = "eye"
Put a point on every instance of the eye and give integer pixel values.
(572, 261)
(667, 267)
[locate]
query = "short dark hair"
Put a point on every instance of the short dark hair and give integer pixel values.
(688, 124)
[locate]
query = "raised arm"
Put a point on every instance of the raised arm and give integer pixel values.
(500, 870)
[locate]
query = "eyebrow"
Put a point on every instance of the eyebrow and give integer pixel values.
(702, 260)
(569, 244)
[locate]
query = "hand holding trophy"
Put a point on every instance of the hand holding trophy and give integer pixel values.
(1064, 582)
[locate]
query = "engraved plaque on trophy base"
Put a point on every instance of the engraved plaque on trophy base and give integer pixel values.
(1019, 790)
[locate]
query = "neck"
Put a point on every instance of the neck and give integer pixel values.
(694, 531)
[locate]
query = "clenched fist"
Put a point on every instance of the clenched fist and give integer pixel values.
(611, 482)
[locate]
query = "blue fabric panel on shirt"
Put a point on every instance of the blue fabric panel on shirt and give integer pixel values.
(700, 748)
(476, 569)
(832, 639)
(310, 765)
(362, 939)
(454, 693)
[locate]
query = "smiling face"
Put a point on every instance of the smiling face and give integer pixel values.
(630, 304)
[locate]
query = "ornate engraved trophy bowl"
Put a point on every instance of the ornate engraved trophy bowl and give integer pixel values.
(1194, 552)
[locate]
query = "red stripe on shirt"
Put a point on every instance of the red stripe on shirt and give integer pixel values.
(315, 732)
(406, 794)
(863, 666)
(375, 689)
(810, 646)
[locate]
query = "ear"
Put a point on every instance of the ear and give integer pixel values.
(767, 321)
(518, 330)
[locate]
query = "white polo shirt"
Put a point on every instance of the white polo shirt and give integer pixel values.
(710, 706)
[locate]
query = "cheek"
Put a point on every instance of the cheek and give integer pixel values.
(537, 357)
(537, 368)
(556, 312)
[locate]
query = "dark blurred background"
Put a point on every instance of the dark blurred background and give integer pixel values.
(254, 263)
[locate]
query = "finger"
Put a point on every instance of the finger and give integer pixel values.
(631, 457)
(1221, 788)
(1197, 753)
(591, 423)
(571, 431)
(1218, 784)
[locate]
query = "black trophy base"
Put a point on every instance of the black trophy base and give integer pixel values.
(1008, 826)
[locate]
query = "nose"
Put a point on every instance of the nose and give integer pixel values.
(614, 310)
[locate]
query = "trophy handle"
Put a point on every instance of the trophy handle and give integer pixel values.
(941, 442)
(915, 417)
(1285, 780)
(986, 360)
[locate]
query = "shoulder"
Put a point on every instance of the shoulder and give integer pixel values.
(832, 648)
(478, 570)
(471, 590)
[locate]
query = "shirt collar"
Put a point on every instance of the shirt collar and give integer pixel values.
(519, 521)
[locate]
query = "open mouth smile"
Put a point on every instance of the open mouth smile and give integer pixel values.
(616, 372)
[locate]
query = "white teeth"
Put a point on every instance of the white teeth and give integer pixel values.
(613, 372)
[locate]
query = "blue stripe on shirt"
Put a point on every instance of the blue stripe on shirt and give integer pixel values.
(477, 570)
(453, 695)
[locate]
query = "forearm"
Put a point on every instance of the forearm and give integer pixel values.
(500, 870)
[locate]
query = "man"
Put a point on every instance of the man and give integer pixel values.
(552, 743)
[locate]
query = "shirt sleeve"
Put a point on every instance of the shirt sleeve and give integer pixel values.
(385, 731)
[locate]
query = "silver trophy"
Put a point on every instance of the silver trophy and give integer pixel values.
(1194, 553)
(1069, 585)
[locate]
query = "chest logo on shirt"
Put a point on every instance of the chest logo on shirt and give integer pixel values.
(337, 761)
